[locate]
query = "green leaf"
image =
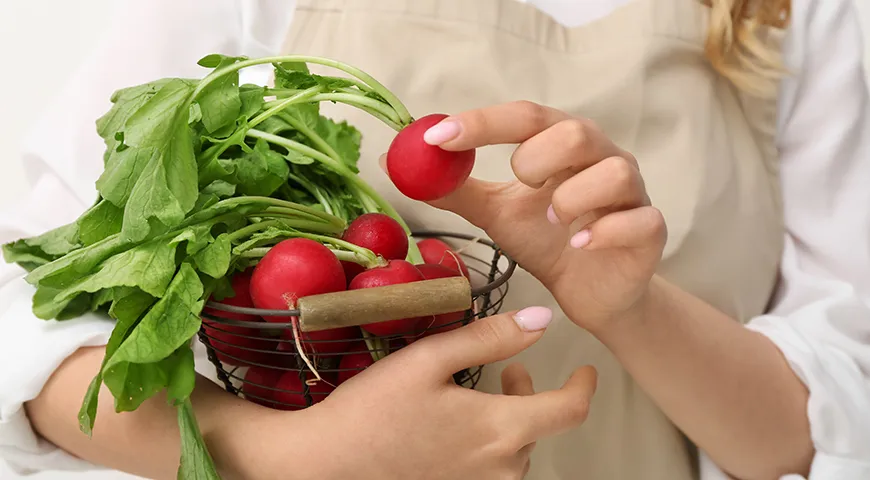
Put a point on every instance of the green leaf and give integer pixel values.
(220, 188)
(219, 101)
(88, 411)
(214, 260)
(343, 138)
(149, 267)
(296, 76)
(216, 59)
(167, 189)
(170, 323)
(68, 269)
(261, 171)
(123, 169)
(147, 359)
(46, 306)
(252, 99)
(99, 222)
(182, 377)
(196, 462)
(297, 158)
(35, 251)
(125, 102)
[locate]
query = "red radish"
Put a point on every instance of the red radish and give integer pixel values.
(292, 269)
(422, 171)
(236, 345)
(379, 233)
(357, 360)
(436, 252)
(260, 384)
(322, 342)
(396, 272)
(439, 323)
(291, 394)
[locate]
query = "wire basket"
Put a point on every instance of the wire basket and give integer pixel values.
(260, 360)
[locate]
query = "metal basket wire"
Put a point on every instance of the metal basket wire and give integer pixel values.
(259, 360)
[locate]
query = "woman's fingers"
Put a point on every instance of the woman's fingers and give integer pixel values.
(642, 227)
(507, 123)
(612, 184)
(487, 340)
(570, 145)
(556, 411)
(515, 380)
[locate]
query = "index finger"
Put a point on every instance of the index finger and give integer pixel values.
(507, 123)
(556, 411)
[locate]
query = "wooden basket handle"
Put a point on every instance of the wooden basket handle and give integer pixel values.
(369, 305)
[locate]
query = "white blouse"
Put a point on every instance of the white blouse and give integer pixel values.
(821, 315)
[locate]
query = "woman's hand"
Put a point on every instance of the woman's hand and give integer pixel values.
(405, 418)
(577, 218)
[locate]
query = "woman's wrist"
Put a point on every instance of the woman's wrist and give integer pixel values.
(635, 319)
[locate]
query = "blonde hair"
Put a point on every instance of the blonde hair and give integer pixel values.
(734, 46)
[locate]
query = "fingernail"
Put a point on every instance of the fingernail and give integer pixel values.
(551, 215)
(581, 239)
(382, 162)
(442, 132)
(533, 319)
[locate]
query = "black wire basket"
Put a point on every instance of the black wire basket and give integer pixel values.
(261, 360)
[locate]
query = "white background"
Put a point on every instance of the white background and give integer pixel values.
(41, 42)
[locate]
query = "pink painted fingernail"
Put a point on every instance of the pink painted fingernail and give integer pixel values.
(533, 319)
(551, 215)
(442, 132)
(581, 239)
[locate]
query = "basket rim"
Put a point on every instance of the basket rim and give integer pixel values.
(475, 292)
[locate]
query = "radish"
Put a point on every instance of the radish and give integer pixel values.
(291, 392)
(354, 362)
(260, 384)
(322, 342)
(396, 272)
(236, 345)
(292, 269)
(422, 171)
(436, 252)
(379, 233)
(444, 322)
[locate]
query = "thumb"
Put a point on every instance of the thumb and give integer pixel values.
(487, 340)
(471, 201)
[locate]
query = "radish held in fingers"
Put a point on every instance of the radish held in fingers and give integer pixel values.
(396, 272)
(379, 233)
(291, 392)
(436, 252)
(354, 362)
(422, 171)
(444, 322)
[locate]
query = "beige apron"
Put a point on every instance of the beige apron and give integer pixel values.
(705, 151)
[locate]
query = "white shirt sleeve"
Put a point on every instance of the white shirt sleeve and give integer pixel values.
(146, 41)
(820, 317)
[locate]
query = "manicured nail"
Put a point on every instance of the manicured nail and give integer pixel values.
(551, 215)
(533, 319)
(581, 239)
(442, 132)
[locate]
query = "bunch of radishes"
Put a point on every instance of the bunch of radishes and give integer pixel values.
(299, 267)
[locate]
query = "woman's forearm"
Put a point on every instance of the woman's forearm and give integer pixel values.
(729, 389)
(146, 442)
